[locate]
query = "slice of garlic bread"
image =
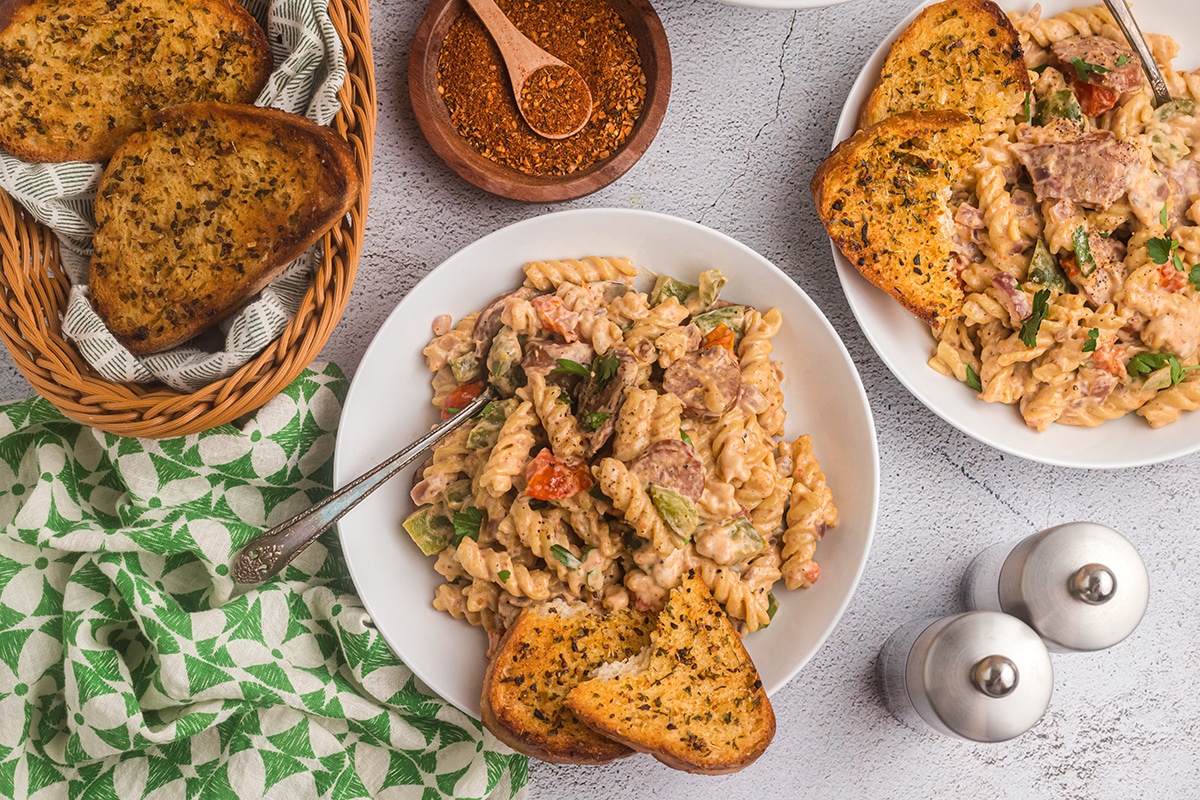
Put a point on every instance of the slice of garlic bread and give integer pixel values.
(883, 196)
(693, 699)
(78, 76)
(197, 213)
(958, 54)
(547, 652)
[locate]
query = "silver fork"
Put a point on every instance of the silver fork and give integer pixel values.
(1133, 33)
(267, 554)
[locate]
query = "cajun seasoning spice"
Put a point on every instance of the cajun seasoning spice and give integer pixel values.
(586, 34)
(555, 100)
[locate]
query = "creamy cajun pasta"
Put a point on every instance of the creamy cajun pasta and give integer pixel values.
(1078, 236)
(639, 438)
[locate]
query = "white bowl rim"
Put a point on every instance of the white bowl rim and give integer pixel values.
(870, 513)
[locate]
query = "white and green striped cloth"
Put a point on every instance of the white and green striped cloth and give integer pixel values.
(131, 668)
(310, 68)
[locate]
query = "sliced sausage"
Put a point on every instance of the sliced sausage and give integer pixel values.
(673, 464)
(708, 382)
(488, 323)
(606, 398)
(541, 355)
(1125, 76)
(1092, 170)
(1014, 299)
(1108, 274)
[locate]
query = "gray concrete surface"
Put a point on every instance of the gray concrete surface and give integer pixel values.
(755, 99)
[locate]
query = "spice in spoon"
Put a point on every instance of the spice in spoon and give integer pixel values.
(555, 100)
(586, 34)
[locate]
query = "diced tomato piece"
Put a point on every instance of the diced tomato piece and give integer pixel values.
(1094, 100)
(812, 572)
(556, 317)
(1110, 359)
(1069, 265)
(1171, 279)
(548, 477)
(720, 336)
(460, 397)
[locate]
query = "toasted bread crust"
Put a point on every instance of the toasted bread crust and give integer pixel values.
(958, 54)
(882, 196)
(546, 653)
(78, 76)
(697, 704)
(200, 211)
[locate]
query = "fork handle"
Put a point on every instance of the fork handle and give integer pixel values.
(267, 554)
(1133, 34)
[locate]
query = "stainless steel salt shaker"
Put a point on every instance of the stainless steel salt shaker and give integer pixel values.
(1082, 586)
(982, 675)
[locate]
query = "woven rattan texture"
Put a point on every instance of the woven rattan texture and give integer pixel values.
(33, 296)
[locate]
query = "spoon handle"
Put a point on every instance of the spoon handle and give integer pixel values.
(272, 551)
(1133, 33)
(521, 55)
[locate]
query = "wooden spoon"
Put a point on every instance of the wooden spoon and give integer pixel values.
(551, 95)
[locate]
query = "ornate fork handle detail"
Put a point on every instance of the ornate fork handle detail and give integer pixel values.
(267, 554)
(1133, 33)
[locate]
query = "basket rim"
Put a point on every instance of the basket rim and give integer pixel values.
(33, 292)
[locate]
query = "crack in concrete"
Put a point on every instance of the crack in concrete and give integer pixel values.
(1018, 512)
(762, 128)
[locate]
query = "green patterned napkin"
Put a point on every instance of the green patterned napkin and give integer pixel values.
(129, 666)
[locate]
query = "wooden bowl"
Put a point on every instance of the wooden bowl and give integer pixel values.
(434, 118)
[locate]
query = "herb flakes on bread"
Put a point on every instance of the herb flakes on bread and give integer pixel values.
(200, 211)
(883, 196)
(693, 699)
(78, 77)
(958, 54)
(549, 650)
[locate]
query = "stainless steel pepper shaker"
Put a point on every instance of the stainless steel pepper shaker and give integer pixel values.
(982, 675)
(1082, 586)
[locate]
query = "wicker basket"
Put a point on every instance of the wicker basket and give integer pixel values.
(33, 296)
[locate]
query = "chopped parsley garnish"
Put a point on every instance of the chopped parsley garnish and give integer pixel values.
(1083, 252)
(1162, 217)
(565, 556)
(688, 440)
(973, 379)
(467, 523)
(1122, 60)
(1039, 69)
(504, 575)
(772, 605)
(1194, 277)
(1084, 69)
(593, 420)
(451, 410)
(568, 367)
(1145, 363)
(1029, 328)
(1089, 344)
(604, 368)
(1028, 107)
(1162, 250)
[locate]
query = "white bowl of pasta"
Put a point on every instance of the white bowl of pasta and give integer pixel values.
(907, 347)
(389, 404)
